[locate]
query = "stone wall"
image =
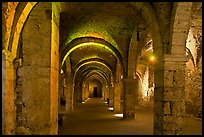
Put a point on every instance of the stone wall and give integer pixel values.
(146, 87)
(193, 75)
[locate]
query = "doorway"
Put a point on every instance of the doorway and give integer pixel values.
(95, 91)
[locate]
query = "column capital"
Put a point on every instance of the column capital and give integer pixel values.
(174, 62)
(176, 58)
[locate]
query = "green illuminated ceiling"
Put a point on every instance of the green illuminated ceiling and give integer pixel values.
(111, 24)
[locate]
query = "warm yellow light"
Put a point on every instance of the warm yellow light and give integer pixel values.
(119, 115)
(111, 108)
(152, 58)
(83, 102)
(97, 45)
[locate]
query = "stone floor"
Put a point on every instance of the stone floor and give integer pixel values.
(94, 118)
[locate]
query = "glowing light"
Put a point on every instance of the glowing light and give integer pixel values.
(62, 71)
(119, 115)
(106, 102)
(152, 58)
(111, 108)
(83, 102)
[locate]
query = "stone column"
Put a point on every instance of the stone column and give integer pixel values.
(83, 93)
(111, 97)
(104, 92)
(169, 102)
(40, 71)
(117, 93)
(73, 95)
(76, 95)
(69, 94)
(8, 98)
(107, 92)
(69, 83)
(129, 101)
(87, 91)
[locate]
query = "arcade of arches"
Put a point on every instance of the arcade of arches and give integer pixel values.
(55, 55)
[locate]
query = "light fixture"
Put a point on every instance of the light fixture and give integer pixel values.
(152, 58)
(111, 108)
(119, 115)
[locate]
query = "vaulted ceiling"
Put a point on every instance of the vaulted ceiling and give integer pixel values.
(98, 33)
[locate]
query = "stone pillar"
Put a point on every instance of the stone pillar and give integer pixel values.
(107, 92)
(40, 71)
(83, 93)
(76, 95)
(129, 101)
(69, 94)
(3, 92)
(8, 98)
(69, 83)
(117, 93)
(87, 91)
(169, 102)
(73, 95)
(104, 92)
(111, 95)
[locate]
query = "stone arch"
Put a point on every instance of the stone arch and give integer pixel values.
(18, 28)
(78, 42)
(92, 79)
(39, 64)
(181, 25)
(91, 62)
(98, 72)
(85, 61)
(94, 74)
(130, 84)
(10, 46)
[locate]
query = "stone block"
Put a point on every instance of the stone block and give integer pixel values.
(179, 39)
(172, 123)
(43, 71)
(183, 13)
(168, 94)
(179, 78)
(178, 93)
(178, 108)
(168, 78)
(180, 26)
(167, 107)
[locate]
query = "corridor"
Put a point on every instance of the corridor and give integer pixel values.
(62, 61)
(94, 118)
